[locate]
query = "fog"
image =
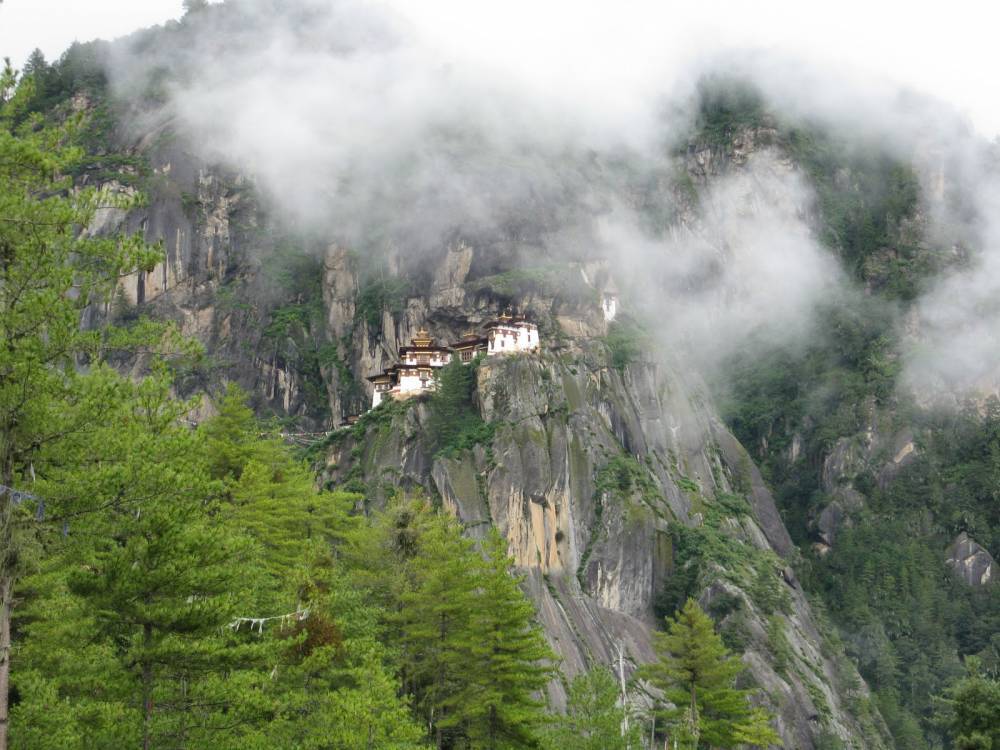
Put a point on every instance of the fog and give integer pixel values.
(744, 262)
(374, 127)
(954, 347)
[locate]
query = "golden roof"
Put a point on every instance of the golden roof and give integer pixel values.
(422, 339)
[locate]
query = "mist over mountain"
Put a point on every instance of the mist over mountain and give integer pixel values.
(768, 376)
(356, 126)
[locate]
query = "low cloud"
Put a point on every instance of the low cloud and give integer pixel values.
(361, 125)
(746, 262)
(954, 342)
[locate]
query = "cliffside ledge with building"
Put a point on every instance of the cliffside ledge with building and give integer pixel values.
(595, 475)
(598, 470)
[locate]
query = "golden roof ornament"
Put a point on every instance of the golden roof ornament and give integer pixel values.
(423, 338)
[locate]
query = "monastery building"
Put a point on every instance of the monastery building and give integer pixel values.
(508, 334)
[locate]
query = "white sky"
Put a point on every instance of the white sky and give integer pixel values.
(948, 50)
(52, 25)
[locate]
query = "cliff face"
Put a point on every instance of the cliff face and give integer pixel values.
(590, 476)
(597, 475)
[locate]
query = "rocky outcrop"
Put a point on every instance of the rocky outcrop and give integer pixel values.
(596, 546)
(448, 289)
(970, 561)
(340, 290)
(869, 453)
(591, 472)
(705, 160)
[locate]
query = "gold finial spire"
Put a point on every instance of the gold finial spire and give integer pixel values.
(423, 338)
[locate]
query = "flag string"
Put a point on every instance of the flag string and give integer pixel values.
(258, 622)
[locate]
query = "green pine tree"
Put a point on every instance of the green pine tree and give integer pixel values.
(231, 436)
(271, 495)
(49, 273)
(508, 661)
(593, 718)
(969, 711)
(434, 625)
(157, 574)
(454, 423)
(470, 654)
(336, 683)
(696, 673)
(162, 555)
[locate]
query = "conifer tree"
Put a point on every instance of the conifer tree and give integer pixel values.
(508, 659)
(230, 435)
(391, 536)
(969, 711)
(434, 624)
(49, 273)
(156, 575)
(154, 568)
(335, 685)
(696, 673)
(269, 494)
(471, 655)
(451, 410)
(8, 81)
(593, 718)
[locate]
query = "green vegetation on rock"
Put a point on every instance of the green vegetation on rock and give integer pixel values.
(696, 673)
(724, 106)
(454, 424)
(903, 617)
(379, 294)
(593, 718)
(563, 281)
(627, 342)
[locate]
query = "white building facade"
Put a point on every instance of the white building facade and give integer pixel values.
(609, 305)
(415, 373)
(510, 335)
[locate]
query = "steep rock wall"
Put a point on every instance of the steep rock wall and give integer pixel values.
(596, 550)
(596, 554)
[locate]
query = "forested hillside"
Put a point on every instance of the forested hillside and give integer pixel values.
(755, 507)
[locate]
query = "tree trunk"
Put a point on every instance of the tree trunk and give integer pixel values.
(8, 561)
(147, 689)
(695, 724)
(621, 681)
(6, 589)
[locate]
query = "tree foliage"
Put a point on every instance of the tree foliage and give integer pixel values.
(167, 576)
(454, 424)
(471, 656)
(696, 673)
(969, 711)
(594, 720)
(50, 273)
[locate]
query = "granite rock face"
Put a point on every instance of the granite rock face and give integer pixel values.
(970, 561)
(595, 551)
(596, 557)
